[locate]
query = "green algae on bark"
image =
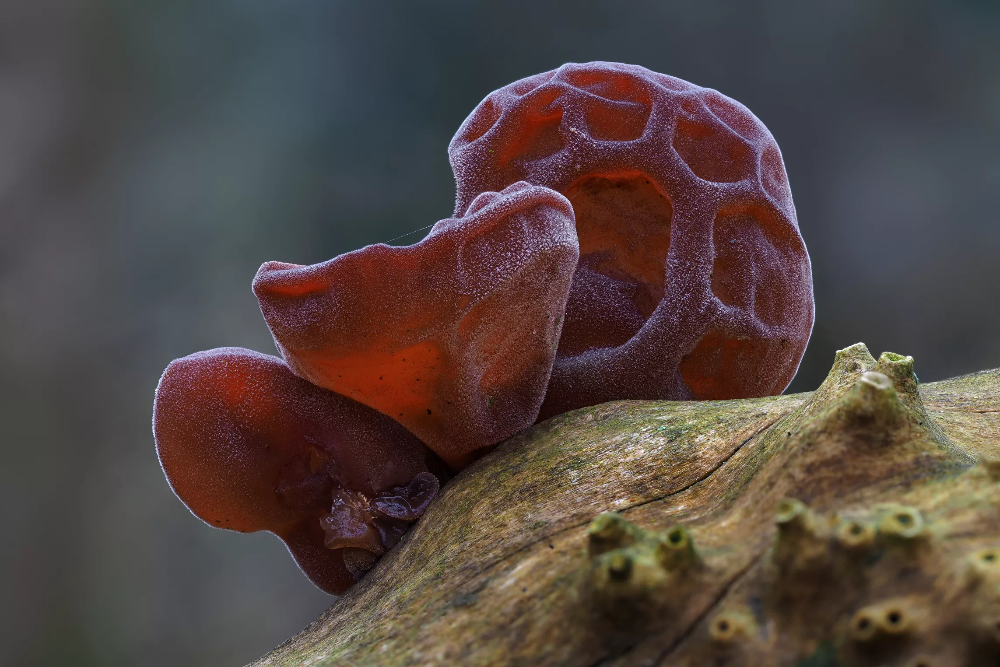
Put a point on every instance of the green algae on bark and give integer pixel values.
(807, 523)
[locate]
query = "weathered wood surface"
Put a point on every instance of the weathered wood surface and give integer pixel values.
(498, 571)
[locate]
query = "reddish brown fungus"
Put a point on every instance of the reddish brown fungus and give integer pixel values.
(640, 224)
(454, 336)
(248, 446)
(693, 279)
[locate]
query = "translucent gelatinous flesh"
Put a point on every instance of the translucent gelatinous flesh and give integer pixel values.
(454, 337)
(248, 446)
(693, 280)
(623, 223)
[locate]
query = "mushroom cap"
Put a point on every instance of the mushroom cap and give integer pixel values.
(246, 445)
(693, 280)
(453, 337)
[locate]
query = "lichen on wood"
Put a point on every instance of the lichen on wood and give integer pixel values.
(855, 525)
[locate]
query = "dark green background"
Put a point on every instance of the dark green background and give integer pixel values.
(153, 154)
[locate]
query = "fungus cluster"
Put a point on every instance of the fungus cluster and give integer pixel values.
(618, 234)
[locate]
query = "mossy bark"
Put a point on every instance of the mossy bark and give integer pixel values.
(888, 506)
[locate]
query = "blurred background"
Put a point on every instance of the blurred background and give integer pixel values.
(154, 154)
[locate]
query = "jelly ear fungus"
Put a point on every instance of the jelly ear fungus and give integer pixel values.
(248, 446)
(693, 280)
(453, 337)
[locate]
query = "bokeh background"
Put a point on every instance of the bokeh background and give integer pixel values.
(154, 154)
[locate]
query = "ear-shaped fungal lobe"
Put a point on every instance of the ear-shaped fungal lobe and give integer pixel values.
(693, 280)
(248, 446)
(453, 337)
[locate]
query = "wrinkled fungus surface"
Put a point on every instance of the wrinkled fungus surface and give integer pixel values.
(619, 234)
(248, 446)
(453, 337)
(693, 279)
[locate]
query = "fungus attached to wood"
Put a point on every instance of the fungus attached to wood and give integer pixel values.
(694, 281)
(453, 337)
(618, 234)
(598, 593)
(248, 446)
